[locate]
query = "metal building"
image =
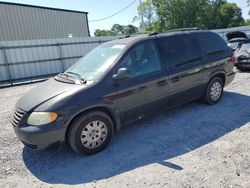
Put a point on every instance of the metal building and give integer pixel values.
(28, 22)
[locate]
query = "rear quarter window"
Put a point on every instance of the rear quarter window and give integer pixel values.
(211, 43)
(178, 50)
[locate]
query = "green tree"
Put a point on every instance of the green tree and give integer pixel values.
(247, 22)
(147, 16)
(181, 13)
(130, 29)
(118, 29)
(210, 14)
(211, 17)
(102, 32)
(230, 15)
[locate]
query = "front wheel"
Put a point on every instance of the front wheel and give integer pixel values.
(214, 91)
(90, 133)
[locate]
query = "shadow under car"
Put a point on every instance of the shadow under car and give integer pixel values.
(155, 140)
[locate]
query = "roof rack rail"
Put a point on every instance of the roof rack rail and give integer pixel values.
(123, 37)
(184, 29)
(154, 33)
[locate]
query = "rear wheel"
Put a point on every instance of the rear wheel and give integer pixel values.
(90, 133)
(214, 91)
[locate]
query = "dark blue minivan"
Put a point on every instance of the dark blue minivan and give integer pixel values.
(120, 82)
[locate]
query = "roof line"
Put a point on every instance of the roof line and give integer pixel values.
(41, 7)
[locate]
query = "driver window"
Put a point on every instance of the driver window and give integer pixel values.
(141, 59)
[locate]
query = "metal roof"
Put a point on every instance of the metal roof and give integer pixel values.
(41, 7)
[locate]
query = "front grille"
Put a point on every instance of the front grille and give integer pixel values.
(17, 116)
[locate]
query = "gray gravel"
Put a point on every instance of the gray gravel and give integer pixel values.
(194, 145)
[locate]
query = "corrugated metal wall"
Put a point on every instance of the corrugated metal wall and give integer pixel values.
(19, 22)
(33, 59)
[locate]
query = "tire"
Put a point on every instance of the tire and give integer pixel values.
(90, 133)
(214, 91)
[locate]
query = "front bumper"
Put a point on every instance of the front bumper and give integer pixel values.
(41, 137)
(243, 65)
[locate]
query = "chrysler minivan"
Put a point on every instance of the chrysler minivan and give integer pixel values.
(120, 82)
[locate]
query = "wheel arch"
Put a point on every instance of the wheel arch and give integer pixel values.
(104, 109)
(221, 75)
(218, 73)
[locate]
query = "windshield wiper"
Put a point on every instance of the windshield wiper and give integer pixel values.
(64, 78)
(75, 75)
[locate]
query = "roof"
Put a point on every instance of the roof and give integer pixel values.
(181, 31)
(134, 39)
(128, 39)
(41, 7)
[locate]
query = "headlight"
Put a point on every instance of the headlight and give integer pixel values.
(41, 118)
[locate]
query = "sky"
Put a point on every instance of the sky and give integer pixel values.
(99, 9)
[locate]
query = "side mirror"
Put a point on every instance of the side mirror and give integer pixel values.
(122, 73)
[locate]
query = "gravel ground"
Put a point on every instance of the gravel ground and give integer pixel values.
(194, 145)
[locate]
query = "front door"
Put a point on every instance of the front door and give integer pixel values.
(146, 91)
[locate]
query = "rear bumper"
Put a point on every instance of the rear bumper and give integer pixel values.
(243, 65)
(230, 78)
(41, 137)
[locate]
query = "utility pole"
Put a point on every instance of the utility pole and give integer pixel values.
(142, 20)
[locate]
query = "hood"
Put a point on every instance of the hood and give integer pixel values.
(236, 34)
(44, 92)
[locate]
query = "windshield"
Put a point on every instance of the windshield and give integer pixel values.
(96, 63)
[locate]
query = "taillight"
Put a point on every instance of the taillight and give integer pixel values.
(233, 58)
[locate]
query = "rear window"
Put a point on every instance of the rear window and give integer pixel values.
(211, 43)
(178, 50)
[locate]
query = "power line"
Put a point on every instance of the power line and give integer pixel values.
(114, 13)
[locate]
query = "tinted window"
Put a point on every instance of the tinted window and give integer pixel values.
(178, 50)
(141, 59)
(210, 42)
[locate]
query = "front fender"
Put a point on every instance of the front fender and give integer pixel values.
(98, 104)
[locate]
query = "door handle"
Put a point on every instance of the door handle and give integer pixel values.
(175, 79)
(162, 83)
